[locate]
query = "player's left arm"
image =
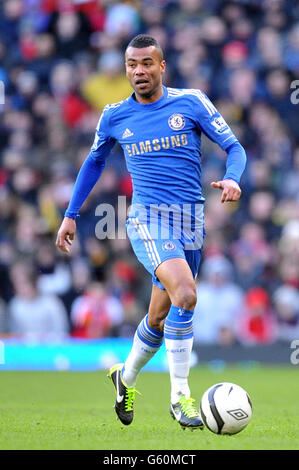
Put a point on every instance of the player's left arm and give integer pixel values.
(211, 122)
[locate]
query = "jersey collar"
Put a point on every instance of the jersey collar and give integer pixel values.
(155, 104)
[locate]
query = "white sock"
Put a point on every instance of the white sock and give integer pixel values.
(178, 332)
(147, 342)
(179, 354)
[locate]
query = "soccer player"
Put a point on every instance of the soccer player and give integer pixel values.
(160, 129)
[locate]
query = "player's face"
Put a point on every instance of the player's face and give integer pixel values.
(144, 69)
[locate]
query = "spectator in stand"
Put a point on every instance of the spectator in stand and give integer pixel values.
(251, 252)
(256, 323)
(291, 56)
(82, 276)
(109, 84)
(289, 253)
(31, 313)
(96, 313)
(286, 308)
(219, 301)
(54, 275)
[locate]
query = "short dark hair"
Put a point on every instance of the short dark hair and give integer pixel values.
(144, 40)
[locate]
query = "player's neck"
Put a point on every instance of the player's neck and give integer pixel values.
(150, 99)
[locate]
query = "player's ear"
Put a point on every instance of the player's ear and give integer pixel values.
(163, 66)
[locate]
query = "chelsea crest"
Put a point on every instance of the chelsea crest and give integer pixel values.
(176, 122)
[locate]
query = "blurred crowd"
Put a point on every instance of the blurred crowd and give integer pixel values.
(61, 61)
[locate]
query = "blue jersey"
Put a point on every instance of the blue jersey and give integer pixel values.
(162, 146)
(162, 143)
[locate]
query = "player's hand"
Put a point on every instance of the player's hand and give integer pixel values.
(65, 235)
(231, 191)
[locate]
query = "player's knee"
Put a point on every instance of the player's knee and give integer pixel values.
(185, 297)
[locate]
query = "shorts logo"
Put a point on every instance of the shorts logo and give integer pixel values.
(168, 246)
(176, 122)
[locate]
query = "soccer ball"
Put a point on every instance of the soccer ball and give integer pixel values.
(225, 408)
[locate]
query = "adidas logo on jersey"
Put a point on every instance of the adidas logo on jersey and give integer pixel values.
(127, 133)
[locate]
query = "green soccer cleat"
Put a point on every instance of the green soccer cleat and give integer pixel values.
(125, 396)
(186, 414)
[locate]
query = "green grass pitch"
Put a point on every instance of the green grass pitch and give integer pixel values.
(74, 410)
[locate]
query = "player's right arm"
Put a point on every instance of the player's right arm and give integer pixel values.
(88, 175)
